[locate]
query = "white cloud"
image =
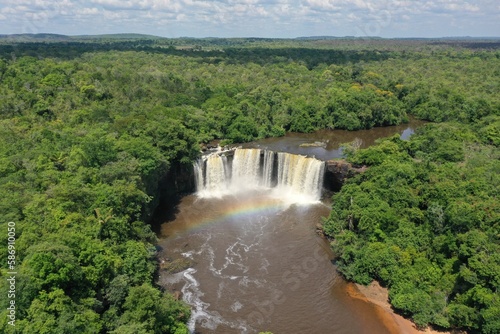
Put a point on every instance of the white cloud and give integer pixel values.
(123, 5)
(467, 7)
(8, 10)
(279, 18)
(321, 5)
(89, 11)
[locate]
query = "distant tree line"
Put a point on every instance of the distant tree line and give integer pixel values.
(90, 130)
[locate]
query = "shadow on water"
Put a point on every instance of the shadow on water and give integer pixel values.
(166, 211)
(176, 184)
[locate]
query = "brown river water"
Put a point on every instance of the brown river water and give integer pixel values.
(254, 259)
(331, 140)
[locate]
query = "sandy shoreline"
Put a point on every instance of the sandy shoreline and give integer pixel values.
(378, 296)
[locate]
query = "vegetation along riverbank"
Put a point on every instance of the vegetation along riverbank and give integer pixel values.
(93, 130)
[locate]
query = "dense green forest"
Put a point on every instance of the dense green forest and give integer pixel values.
(92, 130)
(424, 220)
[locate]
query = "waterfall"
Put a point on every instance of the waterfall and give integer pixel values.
(215, 173)
(293, 176)
(245, 170)
(198, 174)
(300, 175)
(211, 174)
(267, 171)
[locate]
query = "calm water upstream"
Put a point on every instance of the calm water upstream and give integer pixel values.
(331, 140)
(255, 260)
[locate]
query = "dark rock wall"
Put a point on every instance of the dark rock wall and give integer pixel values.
(337, 172)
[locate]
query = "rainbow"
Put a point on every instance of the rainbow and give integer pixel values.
(203, 211)
(239, 209)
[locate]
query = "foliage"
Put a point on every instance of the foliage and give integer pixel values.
(92, 129)
(82, 161)
(424, 221)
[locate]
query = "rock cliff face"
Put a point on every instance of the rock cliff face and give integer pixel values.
(337, 171)
(178, 181)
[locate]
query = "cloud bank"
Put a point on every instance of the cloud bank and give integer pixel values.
(258, 18)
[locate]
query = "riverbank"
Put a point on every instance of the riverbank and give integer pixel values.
(379, 296)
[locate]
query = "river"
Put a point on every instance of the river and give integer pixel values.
(250, 256)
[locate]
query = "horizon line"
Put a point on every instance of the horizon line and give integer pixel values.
(252, 37)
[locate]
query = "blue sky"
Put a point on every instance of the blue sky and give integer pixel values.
(254, 18)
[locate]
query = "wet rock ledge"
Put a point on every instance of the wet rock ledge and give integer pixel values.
(337, 171)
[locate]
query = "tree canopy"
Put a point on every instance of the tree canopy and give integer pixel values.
(424, 221)
(91, 132)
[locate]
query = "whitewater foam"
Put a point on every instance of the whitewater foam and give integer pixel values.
(288, 177)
